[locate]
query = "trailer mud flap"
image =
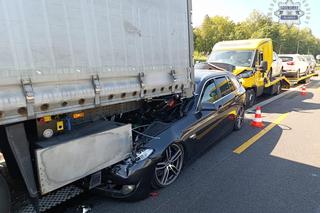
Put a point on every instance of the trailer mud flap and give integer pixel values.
(19, 144)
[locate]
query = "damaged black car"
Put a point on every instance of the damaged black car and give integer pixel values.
(170, 133)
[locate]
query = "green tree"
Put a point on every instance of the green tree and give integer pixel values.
(212, 30)
(257, 25)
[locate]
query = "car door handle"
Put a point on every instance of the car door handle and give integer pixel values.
(193, 136)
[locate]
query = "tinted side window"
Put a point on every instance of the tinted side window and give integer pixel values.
(225, 85)
(235, 82)
(210, 93)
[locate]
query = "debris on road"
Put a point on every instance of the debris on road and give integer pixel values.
(84, 209)
(154, 194)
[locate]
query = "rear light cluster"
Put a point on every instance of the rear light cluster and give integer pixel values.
(290, 62)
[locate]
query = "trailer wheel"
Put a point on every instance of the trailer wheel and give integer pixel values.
(4, 196)
(298, 74)
(270, 75)
(278, 88)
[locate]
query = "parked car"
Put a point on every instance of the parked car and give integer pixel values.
(215, 110)
(294, 65)
(277, 66)
(312, 62)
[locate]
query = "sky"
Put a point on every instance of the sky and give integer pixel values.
(238, 10)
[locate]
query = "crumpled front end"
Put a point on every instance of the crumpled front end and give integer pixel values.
(129, 178)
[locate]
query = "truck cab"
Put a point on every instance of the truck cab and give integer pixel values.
(250, 60)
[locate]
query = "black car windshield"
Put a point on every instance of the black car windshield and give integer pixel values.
(240, 58)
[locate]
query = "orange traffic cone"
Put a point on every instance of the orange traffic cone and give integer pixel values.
(257, 121)
(303, 90)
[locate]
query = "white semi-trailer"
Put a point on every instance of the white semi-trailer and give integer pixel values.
(69, 69)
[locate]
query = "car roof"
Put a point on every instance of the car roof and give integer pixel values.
(201, 75)
(290, 55)
(249, 44)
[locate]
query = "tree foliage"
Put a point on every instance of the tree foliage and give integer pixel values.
(285, 39)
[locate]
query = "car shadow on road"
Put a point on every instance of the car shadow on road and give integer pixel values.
(293, 102)
(270, 176)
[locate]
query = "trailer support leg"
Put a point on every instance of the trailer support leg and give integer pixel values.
(19, 144)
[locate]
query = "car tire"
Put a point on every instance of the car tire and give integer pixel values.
(250, 97)
(169, 168)
(270, 75)
(5, 199)
(278, 88)
(281, 72)
(240, 119)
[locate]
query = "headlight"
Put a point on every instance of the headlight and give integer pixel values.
(240, 81)
(143, 154)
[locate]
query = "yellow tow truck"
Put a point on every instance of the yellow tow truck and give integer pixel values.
(250, 60)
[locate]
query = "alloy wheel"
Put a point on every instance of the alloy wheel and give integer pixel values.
(168, 170)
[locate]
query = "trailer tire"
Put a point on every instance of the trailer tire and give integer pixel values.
(281, 72)
(270, 75)
(4, 196)
(278, 88)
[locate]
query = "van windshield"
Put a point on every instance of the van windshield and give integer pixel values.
(240, 58)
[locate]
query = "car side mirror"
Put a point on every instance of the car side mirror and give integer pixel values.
(263, 66)
(207, 107)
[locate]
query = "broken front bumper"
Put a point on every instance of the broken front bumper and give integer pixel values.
(128, 178)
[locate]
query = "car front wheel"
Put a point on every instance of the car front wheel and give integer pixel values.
(169, 168)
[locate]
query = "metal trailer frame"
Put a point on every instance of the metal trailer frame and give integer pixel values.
(303, 79)
(63, 56)
(285, 82)
(28, 110)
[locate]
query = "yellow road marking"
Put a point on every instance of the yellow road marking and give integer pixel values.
(255, 138)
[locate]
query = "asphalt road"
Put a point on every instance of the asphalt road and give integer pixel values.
(279, 172)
